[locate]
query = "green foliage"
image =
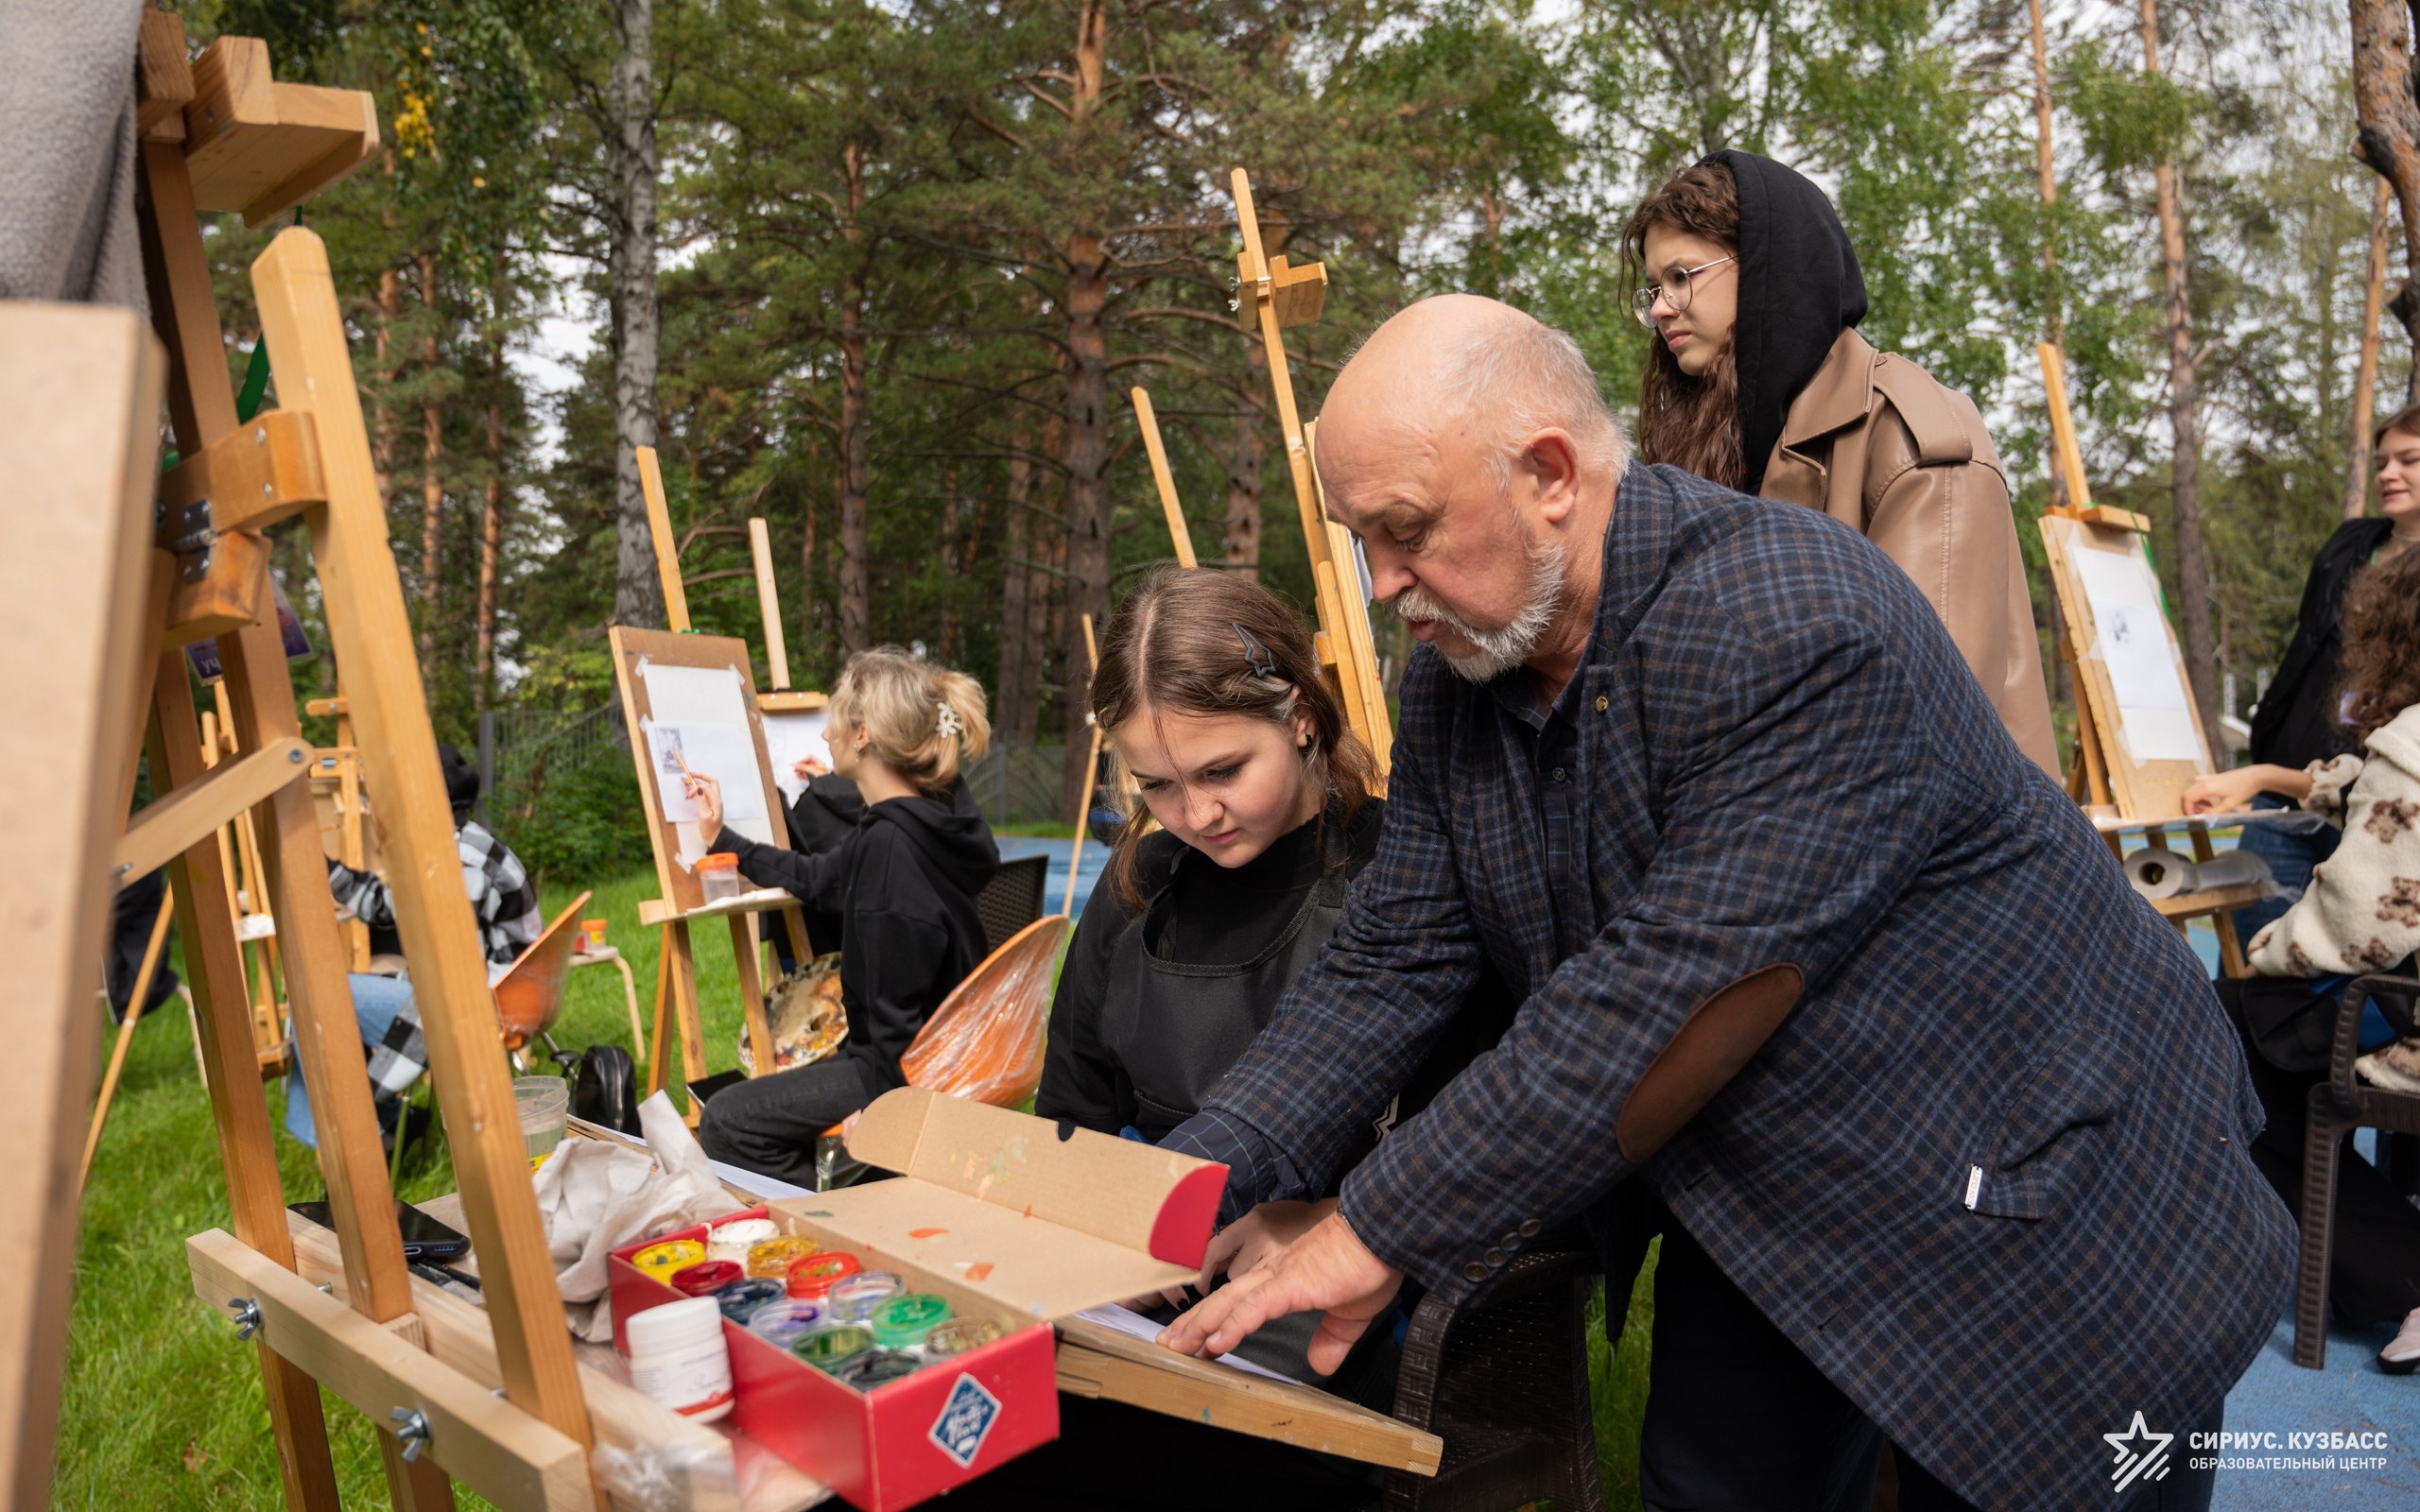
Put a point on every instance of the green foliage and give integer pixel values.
(582, 824)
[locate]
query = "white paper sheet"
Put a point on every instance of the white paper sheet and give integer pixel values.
(789, 738)
(1127, 1321)
(2158, 735)
(721, 751)
(2133, 646)
(700, 696)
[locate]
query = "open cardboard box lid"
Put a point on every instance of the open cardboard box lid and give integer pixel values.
(1041, 1221)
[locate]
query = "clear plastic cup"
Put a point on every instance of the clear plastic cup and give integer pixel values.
(542, 1103)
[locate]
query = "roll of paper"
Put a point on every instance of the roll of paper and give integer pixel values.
(2159, 872)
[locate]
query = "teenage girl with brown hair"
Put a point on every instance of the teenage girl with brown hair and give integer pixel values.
(1756, 379)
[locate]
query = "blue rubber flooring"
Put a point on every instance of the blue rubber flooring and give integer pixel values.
(2350, 1396)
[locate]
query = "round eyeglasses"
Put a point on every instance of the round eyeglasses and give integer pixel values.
(1642, 301)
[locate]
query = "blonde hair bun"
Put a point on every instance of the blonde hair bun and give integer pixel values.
(921, 720)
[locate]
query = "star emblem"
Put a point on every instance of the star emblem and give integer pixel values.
(2140, 1454)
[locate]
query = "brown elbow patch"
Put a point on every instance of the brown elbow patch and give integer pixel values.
(1719, 1037)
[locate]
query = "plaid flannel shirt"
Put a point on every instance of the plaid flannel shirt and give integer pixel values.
(503, 899)
(1991, 1172)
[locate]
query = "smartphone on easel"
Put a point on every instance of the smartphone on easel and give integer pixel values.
(425, 1238)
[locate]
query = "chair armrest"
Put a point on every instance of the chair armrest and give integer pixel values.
(1432, 1324)
(2347, 1045)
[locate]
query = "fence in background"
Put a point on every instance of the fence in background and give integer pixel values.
(522, 749)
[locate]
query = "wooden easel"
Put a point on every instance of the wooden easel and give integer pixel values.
(676, 970)
(1282, 295)
(2121, 794)
(1161, 478)
(336, 793)
(223, 134)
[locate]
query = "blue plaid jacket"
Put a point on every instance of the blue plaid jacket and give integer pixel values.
(1990, 1173)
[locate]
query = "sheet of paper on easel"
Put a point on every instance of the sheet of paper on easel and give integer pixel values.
(2154, 717)
(792, 738)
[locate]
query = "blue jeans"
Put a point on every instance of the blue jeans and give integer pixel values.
(2291, 850)
(376, 1000)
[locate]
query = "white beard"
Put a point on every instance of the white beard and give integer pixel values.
(1498, 651)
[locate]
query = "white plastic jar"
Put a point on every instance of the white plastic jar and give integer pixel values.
(678, 1357)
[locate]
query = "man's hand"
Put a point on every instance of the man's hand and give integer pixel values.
(1257, 1237)
(1327, 1270)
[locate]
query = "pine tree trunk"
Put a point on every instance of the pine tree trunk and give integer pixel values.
(2184, 404)
(856, 617)
(2388, 115)
(432, 482)
(491, 515)
(2365, 372)
(638, 595)
(810, 625)
(1085, 440)
(1241, 548)
(1015, 715)
(2046, 179)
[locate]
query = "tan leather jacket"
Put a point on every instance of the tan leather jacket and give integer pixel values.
(1874, 442)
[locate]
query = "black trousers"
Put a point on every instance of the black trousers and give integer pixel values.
(769, 1124)
(1738, 1420)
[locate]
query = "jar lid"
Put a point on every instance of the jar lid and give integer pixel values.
(903, 1321)
(659, 1261)
(706, 1276)
(813, 1275)
(827, 1348)
(684, 1324)
(718, 861)
(961, 1335)
(741, 1298)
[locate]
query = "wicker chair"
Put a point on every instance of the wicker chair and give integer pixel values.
(1505, 1383)
(2338, 1106)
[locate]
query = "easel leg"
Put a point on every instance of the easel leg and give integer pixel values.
(631, 995)
(2222, 922)
(151, 954)
(662, 1005)
(683, 968)
(752, 992)
(802, 949)
(238, 1113)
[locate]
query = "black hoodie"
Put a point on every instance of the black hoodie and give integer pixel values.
(903, 884)
(1799, 290)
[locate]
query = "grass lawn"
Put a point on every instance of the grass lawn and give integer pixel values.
(163, 1407)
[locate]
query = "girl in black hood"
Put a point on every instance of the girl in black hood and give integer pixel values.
(903, 884)
(1758, 380)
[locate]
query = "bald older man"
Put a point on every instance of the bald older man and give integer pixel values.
(1946, 1135)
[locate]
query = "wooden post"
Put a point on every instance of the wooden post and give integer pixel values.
(1092, 779)
(151, 968)
(1178, 534)
(2365, 372)
(1281, 295)
(372, 638)
(769, 605)
(659, 528)
(79, 404)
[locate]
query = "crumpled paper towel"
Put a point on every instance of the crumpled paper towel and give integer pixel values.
(596, 1196)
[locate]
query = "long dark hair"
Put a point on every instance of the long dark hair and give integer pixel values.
(1691, 423)
(2381, 665)
(1174, 647)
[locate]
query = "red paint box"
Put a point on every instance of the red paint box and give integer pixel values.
(1010, 1221)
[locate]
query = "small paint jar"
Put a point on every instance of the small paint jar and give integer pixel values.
(732, 1241)
(775, 1256)
(719, 876)
(903, 1322)
(857, 1297)
(679, 1358)
(961, 1335)
(705, 1277)
(816, 1274)
(740, 1300)
(876, 1368)
(778, 1323)
(658, 1262)
(828, 1348)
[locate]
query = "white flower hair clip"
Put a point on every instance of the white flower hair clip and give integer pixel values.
(949, 723)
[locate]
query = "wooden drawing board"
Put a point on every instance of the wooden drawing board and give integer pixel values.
(689, 682)
(2130, 672)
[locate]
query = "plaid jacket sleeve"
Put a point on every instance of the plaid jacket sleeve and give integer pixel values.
(364, 892)
(1779, 732)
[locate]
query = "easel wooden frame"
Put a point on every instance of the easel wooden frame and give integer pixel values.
(1282, 295)
(223, 134)
(2121, 795)
(682, 898)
